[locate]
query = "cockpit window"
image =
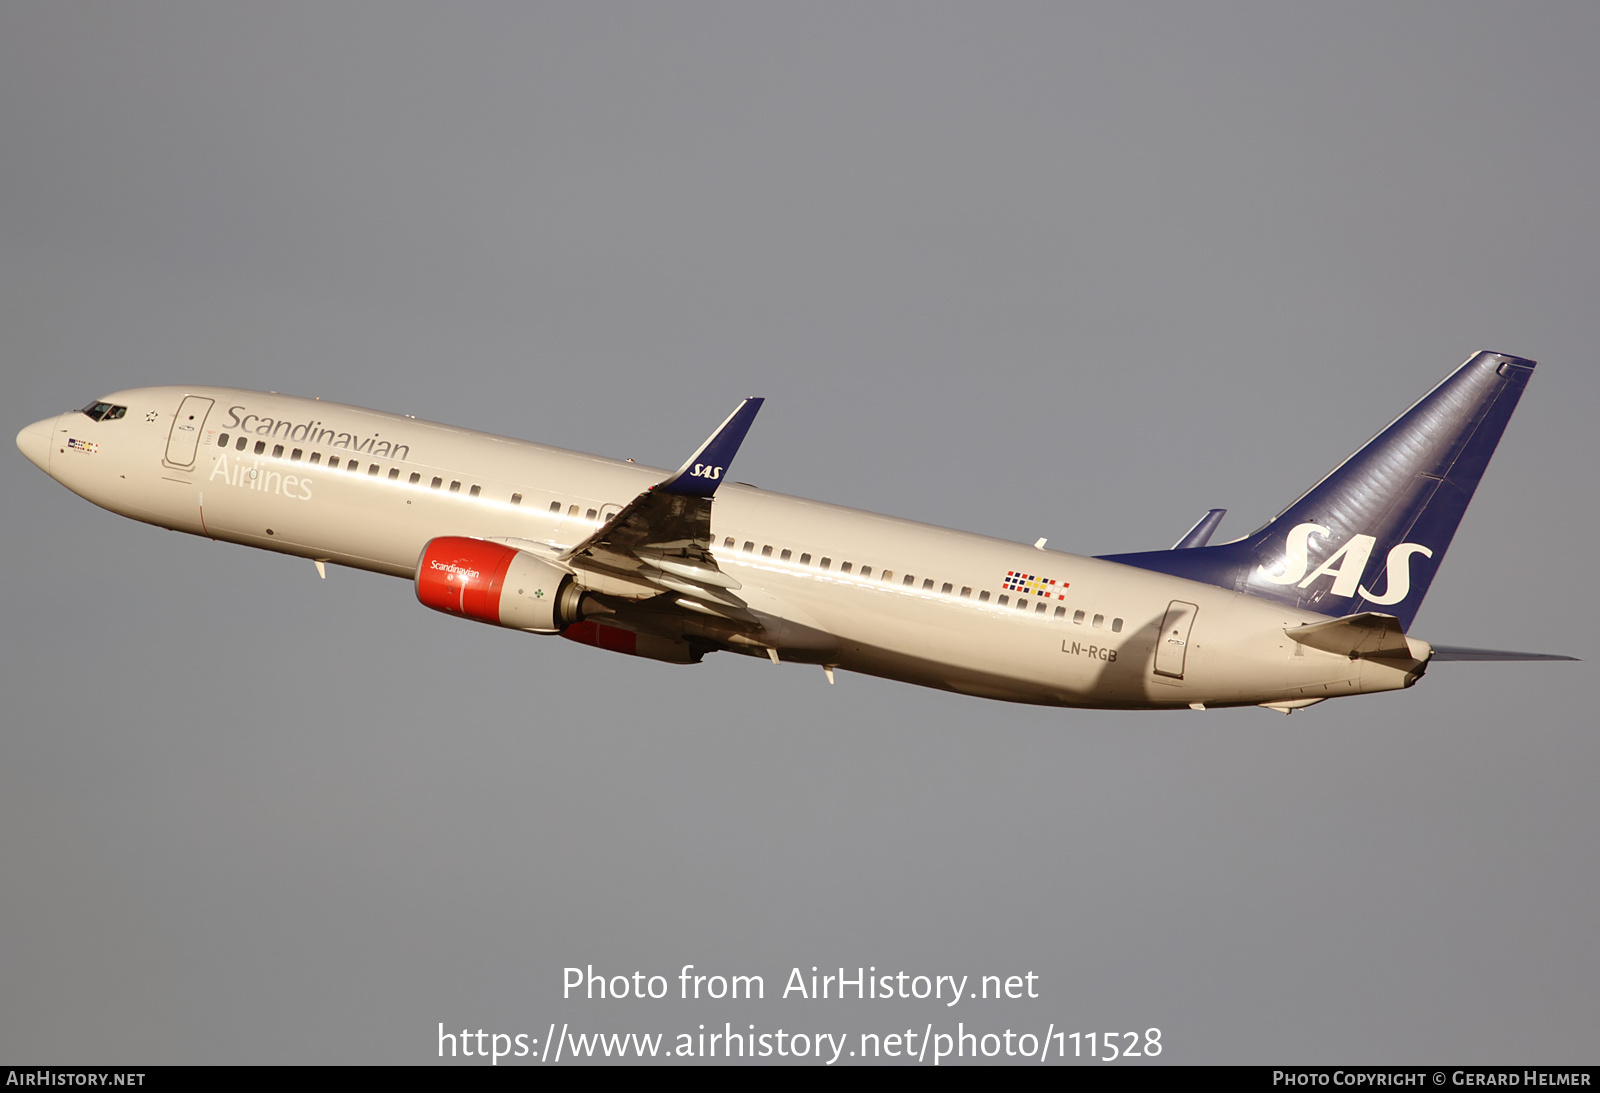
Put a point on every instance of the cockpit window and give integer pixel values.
(104, 411)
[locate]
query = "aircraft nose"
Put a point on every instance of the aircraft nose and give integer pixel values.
(35, 442)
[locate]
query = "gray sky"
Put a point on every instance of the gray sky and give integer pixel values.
(1080, 271)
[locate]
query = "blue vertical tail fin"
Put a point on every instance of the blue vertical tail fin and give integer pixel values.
(1370, 536)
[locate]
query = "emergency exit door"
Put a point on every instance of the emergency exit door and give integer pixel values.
(184, 439)
(1172, 646)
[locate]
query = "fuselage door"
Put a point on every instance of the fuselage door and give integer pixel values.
(184, 439)
(1172, 645)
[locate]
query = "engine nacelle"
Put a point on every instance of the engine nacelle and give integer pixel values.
(498, 584)
(617, 640)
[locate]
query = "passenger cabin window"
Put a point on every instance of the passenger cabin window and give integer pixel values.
(555, 506)
(749, 547)
(824, 563)
(728, 542)
(239, 447)
(1077, 618)
(394, 474)
(316, 457)
(805, 559)
(983, 597)
(516, 499)
(1003, 600)
(766, 552)
(844, 567)
(866, 571)
(784, 557)
(909, 581)
(1022, 603)
(1116, 626)
(927, 585)
(1040, 609)
(354, 466)
(277, 451)
(475, 491)
(294, 456)
(1061, 612)
(966, 592)
(887, 576)
(436, 483)
(572, 510)
(333, 462)
(590, 515)
(1099, 621)
(261, 446)
(455, 486)
(372, 471)
(948, 588)
(415, 478)
(222, 441)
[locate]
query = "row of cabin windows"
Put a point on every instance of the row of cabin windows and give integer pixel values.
(373, 469)
(824, 563)
(910, 581)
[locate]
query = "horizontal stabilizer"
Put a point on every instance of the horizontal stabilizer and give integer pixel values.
(1369, 634)
(1457, 652)
(1200, 534)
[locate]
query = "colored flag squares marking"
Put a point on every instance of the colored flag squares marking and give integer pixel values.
(1034, 585)
(83, 445)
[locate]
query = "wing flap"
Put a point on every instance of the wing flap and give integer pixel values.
(660, 542)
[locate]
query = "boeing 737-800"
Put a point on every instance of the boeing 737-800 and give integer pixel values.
(674, 565)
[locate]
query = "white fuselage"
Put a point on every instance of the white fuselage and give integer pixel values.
(850, 589)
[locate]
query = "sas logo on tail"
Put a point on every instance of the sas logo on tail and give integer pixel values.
(701, 470)
(1346, 565)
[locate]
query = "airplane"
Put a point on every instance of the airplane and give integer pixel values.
(672, 565)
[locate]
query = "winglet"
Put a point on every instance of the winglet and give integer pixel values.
(702, 473)
(1200, 534)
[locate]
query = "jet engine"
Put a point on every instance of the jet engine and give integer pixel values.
(617, 640)
(497, 584)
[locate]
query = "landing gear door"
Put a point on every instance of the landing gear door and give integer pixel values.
(184, 439)
(1172, 646)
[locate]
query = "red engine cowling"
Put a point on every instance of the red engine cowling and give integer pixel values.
(495, 583)
(617, 640)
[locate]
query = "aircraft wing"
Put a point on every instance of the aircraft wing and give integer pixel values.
(661, 540)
